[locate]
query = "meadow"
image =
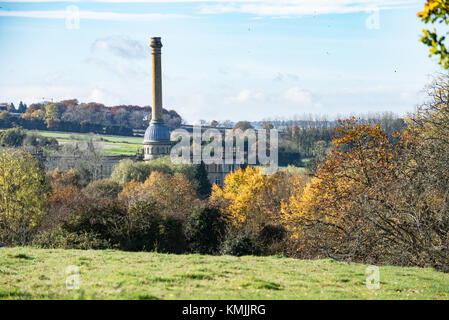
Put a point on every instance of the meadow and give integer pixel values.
(31, 273)
(109, 145)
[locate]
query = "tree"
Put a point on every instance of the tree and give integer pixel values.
(128, 170)
(204, 185)
(12, 137)
(243, 125)
(250, 199)
(22, 107)
(436, 11)
(105, 188)
(23, 197)
(268, 126)
(335, 215)
(11, 107)
(173, 195)
(204, 230)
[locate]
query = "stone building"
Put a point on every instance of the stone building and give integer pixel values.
(157, 141)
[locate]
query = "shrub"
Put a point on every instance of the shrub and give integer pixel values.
(106, 188)
(204, 230)
(40, 141)
(271, 239)
(141, 228)
(239, 243)
(103, 217)
(59, 238)
(61, 178)
(171, 235)
(12, 137)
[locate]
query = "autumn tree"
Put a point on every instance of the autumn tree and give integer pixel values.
(376, 199)
(329, 217)
(251, 199)
(436, 11)
(23, 197)
(173, 195)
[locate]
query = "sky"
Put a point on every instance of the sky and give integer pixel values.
(236, 60)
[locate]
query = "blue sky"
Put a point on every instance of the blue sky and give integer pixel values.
(238, 60)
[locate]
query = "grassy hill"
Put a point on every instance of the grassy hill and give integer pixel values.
(29, 273)
(109, 145)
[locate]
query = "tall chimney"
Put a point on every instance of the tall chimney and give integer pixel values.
(156, 46)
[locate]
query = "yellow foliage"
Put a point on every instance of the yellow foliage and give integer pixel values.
(252, 198)
(23, 194)
(172, 194)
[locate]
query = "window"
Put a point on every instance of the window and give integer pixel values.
(218, 180)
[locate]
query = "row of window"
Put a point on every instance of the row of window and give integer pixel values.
(157, 150)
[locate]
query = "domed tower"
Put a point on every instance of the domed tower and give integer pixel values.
(157, 136)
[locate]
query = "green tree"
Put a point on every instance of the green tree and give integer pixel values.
(12, 137)
(23, 197)
(243, 125)
(22, 107)
(204, 185)
(128, 170)
(105, 188)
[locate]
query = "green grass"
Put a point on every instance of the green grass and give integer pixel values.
(113, 145)
(30, 273)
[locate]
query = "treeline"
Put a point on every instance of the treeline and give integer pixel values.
(310, 136)
(72, 116)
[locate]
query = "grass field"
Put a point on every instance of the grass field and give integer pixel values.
(109, 145)
(30, 273)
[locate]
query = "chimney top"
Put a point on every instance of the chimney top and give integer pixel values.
(156, 42)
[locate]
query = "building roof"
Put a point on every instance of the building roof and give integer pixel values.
(157, 132)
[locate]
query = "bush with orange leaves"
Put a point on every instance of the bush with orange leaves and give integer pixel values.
(172, 195)
(329, 217)
(373, 201)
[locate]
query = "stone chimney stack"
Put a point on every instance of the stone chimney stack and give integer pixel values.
(156, 46)
(156, 140)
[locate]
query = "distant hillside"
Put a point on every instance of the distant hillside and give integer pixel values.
(73, 116)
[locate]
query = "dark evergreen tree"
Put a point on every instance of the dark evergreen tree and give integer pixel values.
(22, 107)
(204, 185)
(11, 107)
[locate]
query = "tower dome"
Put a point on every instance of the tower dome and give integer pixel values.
(157, 132)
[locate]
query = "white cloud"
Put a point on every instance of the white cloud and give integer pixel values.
(245, 96)
(121, 46)
(91, 15)
(283, 9)
(260, 8)
(298, 95)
